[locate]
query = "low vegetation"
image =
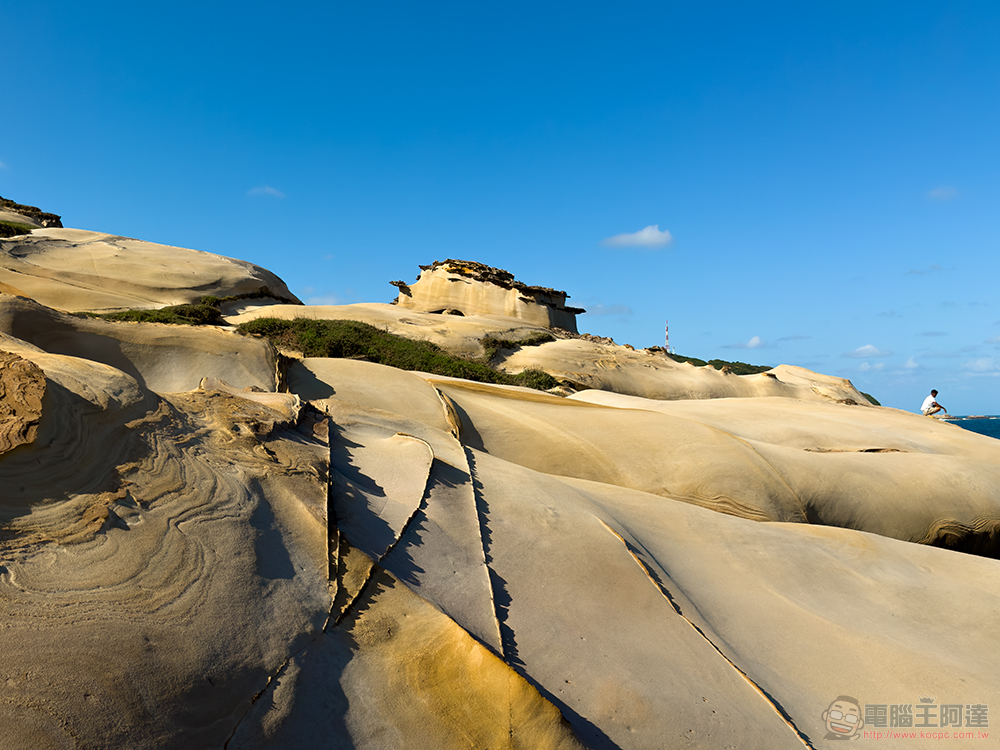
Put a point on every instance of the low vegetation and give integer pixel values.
(206, 312)
(32, 212)
(14, 228)
(493, 345)
(737, 368)
(353, 339)
(201, 314)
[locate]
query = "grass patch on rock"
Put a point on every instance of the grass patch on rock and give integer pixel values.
(492, 345)
(353, 339)
(737, 368)
(206, 312)
(14, 228)
(189, 315)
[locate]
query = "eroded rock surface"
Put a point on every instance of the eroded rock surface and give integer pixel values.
(73, 270)
(22, 386)
(195, 552)
(476, 289)
(165, 358)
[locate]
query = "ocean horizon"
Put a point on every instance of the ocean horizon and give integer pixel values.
(987, 425)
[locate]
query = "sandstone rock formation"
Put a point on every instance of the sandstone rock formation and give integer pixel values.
(204, 546)
(73, 270)
(475, 289)
(14, 217)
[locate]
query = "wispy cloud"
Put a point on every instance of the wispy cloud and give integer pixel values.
(754, 343)
(868, 350)
(943, 193)
(955, 353)
(933, 333)
(651, 236)
(600, 309)
(994, 340)
(911, 364)
(266, 190)
(794, 337)
(935, 268)
(865, 367)
(983, 366)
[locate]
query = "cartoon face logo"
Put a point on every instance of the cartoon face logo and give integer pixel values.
(843, 719)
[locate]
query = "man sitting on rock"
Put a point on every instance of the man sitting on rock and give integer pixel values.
(931, 407)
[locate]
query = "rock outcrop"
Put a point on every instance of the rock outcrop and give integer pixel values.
(31, 216)
(74, 270)
(476, 289)
(197, 552)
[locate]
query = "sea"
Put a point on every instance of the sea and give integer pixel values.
(989, 426)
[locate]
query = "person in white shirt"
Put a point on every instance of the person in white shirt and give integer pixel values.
(931, 406)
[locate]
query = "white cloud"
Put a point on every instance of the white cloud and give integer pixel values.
(651, 236)
(942, 193)
(754, 343)
(868, 350)
(983, 366)
(911, 364)
(865, 367)
(265, 190)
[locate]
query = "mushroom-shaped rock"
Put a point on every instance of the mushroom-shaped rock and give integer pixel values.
(476, 289)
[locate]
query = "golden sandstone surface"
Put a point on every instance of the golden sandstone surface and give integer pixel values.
(204, 543)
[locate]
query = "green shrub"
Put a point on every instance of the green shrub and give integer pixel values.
(537, 379)
(206, 312)
(492, 345)
(14, 228)
(191, 315)
(737, 368)
(353, 339)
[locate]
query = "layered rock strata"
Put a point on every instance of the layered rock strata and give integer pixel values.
(471, 288)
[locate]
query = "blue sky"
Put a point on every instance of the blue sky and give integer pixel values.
(806, 183)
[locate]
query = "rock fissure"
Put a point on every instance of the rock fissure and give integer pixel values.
(653, 579)
(500, 598)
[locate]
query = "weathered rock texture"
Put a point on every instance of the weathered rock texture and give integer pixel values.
(194, 553)
(22, 386)
(475, 289)
(73, 270)
(22, 214)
